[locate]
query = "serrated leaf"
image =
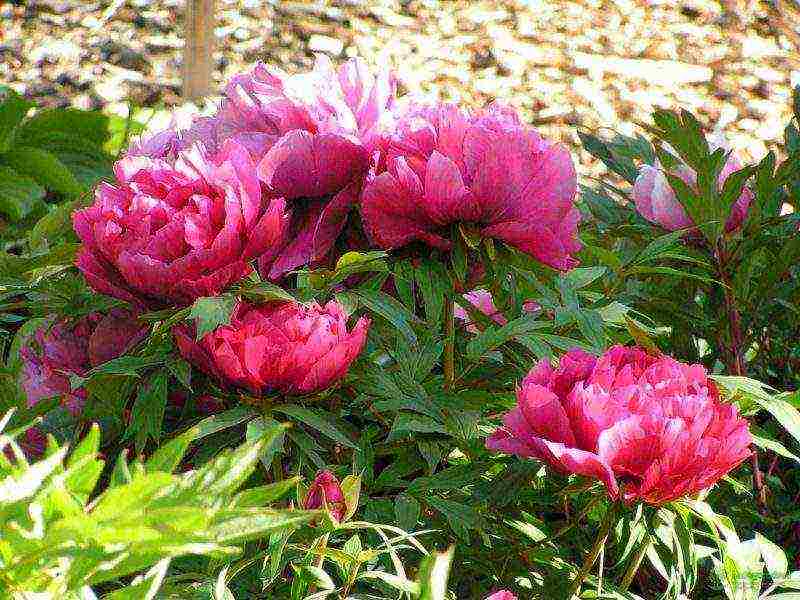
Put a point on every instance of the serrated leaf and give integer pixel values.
(388, 308)
(210, 312)
(317, 420)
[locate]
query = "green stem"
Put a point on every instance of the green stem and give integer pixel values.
(591, 558)
(636, 561)
(449, 358)
(572, 524)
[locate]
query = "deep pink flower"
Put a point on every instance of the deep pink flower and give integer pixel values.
(656, 201)
(169, 232)
(482, 300)
(279, 347)
(502, 595)
(33, 443)
(443, 166)
(311, 136)
(650, 428)
(326, 493)
(59, 349)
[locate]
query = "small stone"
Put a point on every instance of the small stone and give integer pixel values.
(328, 45)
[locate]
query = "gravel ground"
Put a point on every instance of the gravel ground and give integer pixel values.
(569, 63)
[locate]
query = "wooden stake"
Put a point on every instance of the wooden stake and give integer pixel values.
(198, 51)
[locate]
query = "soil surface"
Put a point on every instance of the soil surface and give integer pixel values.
(589, 63)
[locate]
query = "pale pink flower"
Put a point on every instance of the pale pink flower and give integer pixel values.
(279, 347)
(312, 136)
(443, 166)
(59, 349)
(650, 428)
(169, 231)
(326, 493)
(482, 301)
(656, 200)
(502, 595)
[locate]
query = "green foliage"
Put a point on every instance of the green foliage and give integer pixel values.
(56, 154)
(60, 536)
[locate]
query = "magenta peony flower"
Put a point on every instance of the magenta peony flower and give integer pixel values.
(482, 300)
(33, 443)
(170, 232)
(326, 493)
(502, 595)
(312, 136)
(650, 428)
(59, 349)
(279, 347)
(656, 201)
(488, 169)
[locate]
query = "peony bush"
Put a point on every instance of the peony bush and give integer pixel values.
(332, 341)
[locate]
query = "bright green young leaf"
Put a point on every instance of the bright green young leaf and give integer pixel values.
(212, 312)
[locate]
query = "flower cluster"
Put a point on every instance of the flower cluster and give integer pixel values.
(275, 173)
(650, 428)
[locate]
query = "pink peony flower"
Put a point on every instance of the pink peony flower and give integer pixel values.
(502, 595)
(58, 349)
(169, 232)
(443, 166)
(482, 300)
(326, 493)
(311, 136)
(279, 347)
(656, 201)
(650, 428)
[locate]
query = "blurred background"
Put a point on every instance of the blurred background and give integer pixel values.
(588, 63)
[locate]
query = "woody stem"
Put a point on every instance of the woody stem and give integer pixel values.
(735, 359)
(591, 558)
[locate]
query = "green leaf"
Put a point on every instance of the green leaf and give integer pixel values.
(169, 456)
(351, 489)
(388, 308)
(318, 420)
(407, 511)
(433, 574)
(767, 443)
(19, 195)
(90, 126)
(351, 263)
(212, 312)
(582, 277)
(493, 337)
(224, 420)
(264, 291)
(774, 558)
(147, 414)
(262, 495)
(45, 168)
(56, 224)
(12, 111)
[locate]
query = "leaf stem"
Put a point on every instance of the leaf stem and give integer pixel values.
(449, 359)
(605, 528)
